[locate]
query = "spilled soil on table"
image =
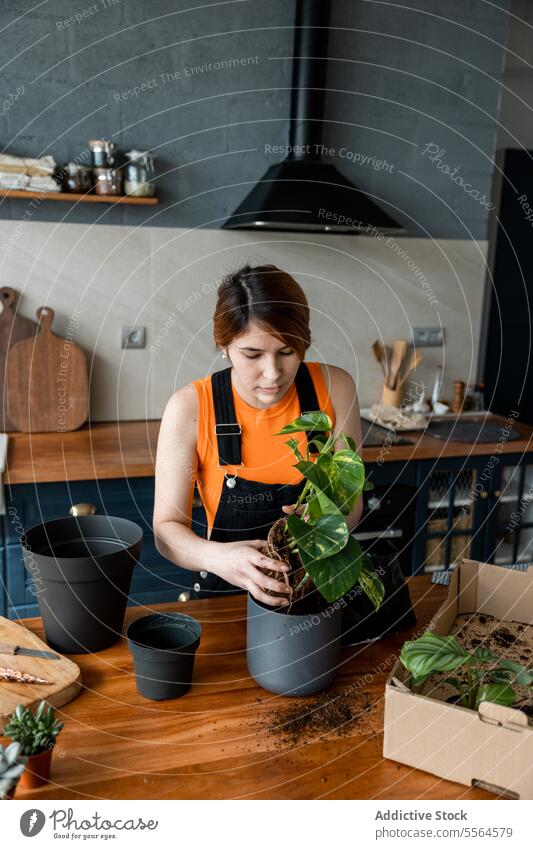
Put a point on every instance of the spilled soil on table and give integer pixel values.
(332, 714)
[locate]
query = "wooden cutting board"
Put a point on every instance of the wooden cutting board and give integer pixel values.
(47, 385)
(63, 674)
(13, 328)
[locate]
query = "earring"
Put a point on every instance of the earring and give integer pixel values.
(223, 355)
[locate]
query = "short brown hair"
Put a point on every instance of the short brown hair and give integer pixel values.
(268, 296)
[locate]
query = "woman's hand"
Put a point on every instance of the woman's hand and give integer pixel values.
(238, 564)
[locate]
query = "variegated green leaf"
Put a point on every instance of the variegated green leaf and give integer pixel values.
(318, 477)
(321, 539)
(346, 476)
(293, 444)
(371, 583)
(317, 420)
(320, 505)
(337, 575)
(348, 441)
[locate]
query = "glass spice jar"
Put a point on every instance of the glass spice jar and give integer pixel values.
(107, 181)
(76, 178)
(138, 171)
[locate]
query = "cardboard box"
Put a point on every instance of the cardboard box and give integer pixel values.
(491, 747)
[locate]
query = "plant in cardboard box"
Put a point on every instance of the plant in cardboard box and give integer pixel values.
(295, 650)
(486, 677)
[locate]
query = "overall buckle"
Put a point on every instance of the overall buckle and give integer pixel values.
(234, 432)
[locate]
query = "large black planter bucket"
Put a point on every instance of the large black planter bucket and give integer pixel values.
(81, 567)
(163, 646)
(293, 655)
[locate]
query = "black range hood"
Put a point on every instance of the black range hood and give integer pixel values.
(304, 193)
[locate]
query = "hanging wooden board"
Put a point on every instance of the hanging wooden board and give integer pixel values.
(63, 674)
(13, 328)
(47, 386)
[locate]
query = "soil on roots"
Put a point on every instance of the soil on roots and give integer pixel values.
(304, 600)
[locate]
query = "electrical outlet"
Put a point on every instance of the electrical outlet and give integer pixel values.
(133, 337)
(428, 337)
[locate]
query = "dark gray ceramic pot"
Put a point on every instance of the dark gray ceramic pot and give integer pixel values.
(81, 567)
(293, 655)
(163, 646)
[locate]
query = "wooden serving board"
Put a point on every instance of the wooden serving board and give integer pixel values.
(47, 385)
(63, 674)
(13, 328)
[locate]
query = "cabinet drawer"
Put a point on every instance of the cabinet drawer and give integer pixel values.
(28, 505)
(391, 473)
(19, 583)
(23, 611)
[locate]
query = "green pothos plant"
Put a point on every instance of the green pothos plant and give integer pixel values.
(315, 540)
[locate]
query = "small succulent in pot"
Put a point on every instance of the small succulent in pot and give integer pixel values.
(36, 733)
(486, 676)
(12, 763)
(315, 540)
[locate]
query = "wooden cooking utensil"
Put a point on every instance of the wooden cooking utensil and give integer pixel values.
(13, 328)
(47, 386)
(388, 356)
(380, 355)
(414, 362)
(399, 350)
(63, 675)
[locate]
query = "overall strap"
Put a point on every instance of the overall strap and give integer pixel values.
(308, 400)
(228, 429)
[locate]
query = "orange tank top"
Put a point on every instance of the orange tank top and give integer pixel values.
(265, 456)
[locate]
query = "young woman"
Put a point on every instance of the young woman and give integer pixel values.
(220, 431)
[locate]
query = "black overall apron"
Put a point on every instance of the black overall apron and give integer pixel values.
(248, 509)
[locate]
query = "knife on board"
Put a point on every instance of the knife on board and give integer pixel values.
(10, 648)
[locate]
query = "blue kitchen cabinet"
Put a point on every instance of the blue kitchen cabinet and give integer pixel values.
(155, 579)
(438, 511)
(450, 514)
(508, 504)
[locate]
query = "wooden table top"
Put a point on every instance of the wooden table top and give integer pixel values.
(128, 449)
(228, 738)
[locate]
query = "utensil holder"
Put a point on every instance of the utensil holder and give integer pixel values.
(392, 397)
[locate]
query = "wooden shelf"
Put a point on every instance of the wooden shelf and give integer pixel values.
(72, 197)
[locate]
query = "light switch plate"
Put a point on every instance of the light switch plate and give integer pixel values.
(133, 337)
(428, 337)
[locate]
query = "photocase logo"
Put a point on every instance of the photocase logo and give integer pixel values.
(32, 822)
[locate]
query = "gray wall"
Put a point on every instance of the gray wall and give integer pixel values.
(423, 80)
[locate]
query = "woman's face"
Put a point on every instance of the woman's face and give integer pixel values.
(263, 367)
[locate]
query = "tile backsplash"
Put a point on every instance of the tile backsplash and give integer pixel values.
(359, 289)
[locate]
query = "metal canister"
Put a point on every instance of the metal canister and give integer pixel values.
(103, 153)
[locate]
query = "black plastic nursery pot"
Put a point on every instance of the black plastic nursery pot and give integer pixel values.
(163, 646)
(293, 655)
(81, 567)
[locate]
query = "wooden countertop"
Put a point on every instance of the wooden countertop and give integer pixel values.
(222, 740)
(128, 449)
(95, 451)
